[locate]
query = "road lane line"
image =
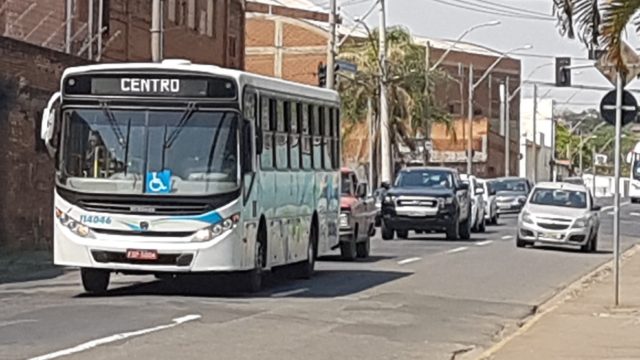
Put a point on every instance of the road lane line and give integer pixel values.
(484, 243)
(409, 260)
(634, 214)
(457, 250)
(117, 337)
(290, 292)
(610, 207)
(16, 322)
(507, 237)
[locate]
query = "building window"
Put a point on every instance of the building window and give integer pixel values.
(211, 15)
(232, 47)
(191, 14)
(171, 13)
(202, 23)
(182, 13)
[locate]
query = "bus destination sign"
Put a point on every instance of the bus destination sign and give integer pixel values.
(151, 86)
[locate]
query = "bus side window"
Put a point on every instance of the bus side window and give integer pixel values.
(294, 136)
(266, 158)
(307, 159)
(336, 138)
(281, 137)
(317, 119)
(327, 142)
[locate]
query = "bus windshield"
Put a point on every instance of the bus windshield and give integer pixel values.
(114, 151)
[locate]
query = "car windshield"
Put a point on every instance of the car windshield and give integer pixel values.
(425, 178)
(514, 185)
(636, 167)
(125, 151)
(557, 197)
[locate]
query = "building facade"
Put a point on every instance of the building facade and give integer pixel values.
(204, 31)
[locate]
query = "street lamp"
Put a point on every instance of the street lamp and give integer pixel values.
(472, 87)
(457, 41)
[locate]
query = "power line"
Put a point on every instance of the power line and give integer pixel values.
(492, 12)
(501, 10)
(519, 9)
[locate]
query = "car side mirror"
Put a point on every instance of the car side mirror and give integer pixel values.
(596, 208)
(463, 186)
(492, 192)
(361, 190)
(385, 185)
(480, 191)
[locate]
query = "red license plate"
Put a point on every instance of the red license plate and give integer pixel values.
(142, 255)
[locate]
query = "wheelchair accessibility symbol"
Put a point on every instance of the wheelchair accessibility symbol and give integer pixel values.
(159, 182)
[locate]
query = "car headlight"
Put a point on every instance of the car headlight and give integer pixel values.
(215, 230)
(581, 223)
(344, 220)
(389, 199)
(75, 226)
(442, 202)
(522, 199)
(526, 217)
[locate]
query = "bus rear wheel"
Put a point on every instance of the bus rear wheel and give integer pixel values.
(95, 281)
(305, 269)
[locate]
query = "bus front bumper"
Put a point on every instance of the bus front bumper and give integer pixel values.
(226, 253)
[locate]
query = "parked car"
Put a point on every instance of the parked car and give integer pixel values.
(491, 206)
(478, 207)
(427, 199)
(378, 196)
(559, 214)
(511, 194)
(357, 217)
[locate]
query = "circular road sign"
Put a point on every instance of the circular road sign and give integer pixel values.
(629, 107)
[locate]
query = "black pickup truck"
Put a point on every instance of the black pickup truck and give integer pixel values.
(427, 199)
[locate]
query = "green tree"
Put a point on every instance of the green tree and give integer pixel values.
(412, 105)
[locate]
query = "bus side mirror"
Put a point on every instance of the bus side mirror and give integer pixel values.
(48, 123)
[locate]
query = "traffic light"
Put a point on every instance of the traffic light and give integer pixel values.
(322, 75)
(563, 73)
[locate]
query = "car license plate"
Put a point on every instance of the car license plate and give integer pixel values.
(142, 255)
(552, 236)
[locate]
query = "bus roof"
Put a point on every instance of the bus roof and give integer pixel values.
(243, 78)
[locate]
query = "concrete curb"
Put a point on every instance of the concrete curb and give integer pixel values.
(571, 291)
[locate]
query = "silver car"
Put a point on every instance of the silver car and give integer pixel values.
(559, 214)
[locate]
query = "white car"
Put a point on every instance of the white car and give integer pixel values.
(559, 214)
(491, 204)
(478, 222)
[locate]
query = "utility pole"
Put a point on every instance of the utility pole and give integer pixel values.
(616, 191)
(386, 156)
(69, 26)
(100, 26)
(331, 48)
(507, 131)
(503, 95)
(535, 133)
(156, 12)
(580, 154)
(370, 122)
(470, 121)
(593, 170)
(90, 31)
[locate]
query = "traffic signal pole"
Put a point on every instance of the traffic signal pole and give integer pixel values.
(616, 192)
(331, 48)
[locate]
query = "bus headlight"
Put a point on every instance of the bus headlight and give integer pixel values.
(213, 231)
(75, 226)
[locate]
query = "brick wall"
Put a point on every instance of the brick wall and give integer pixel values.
(204, 31)
(28, 76)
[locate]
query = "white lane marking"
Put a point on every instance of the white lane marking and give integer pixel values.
(634, 214)
(484, 243)
(409, 260)
(610, 207)
(290, 292)
(507, 237)
(117, 337)
(457, 250)
(15, 322)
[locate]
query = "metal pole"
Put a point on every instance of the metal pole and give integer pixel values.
(616, 190)
(503, 96)
(155, 31)
(507, 132)
(69, 26)
(535, 133)
(580, 153)
(371, 143)
(331, 48)
(470, 122)
(593, 169)
(385, 153)
(90, 32)
(100, 25)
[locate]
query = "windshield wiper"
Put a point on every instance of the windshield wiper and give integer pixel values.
(112, 122)
(186, 115)
(215, 142)
(126, 148)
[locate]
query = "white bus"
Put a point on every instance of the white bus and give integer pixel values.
(634, 181)
(169, 168)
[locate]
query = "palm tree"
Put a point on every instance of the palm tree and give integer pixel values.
(599, 24)
(412, 106)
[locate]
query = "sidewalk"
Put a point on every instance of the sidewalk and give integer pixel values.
(27, 265)
(586, 326)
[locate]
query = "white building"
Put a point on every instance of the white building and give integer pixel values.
(544, 138)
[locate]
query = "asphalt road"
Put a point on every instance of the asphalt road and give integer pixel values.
(422, 298)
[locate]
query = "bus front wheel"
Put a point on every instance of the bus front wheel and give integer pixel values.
(95, 281)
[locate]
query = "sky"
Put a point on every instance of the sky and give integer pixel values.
(448, 19)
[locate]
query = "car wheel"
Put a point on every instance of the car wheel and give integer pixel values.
(348, 249)
(522, 243)
(494, 221)
(387, 232)
(453, 230)
(363, 248)
(465, 229)
(403, 234)
(483, 225)
(95, 281)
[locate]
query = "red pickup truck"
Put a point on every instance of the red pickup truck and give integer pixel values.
(357, 217)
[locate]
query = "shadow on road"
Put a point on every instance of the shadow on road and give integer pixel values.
(327, 283)
(568, 250)
(370, 260)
